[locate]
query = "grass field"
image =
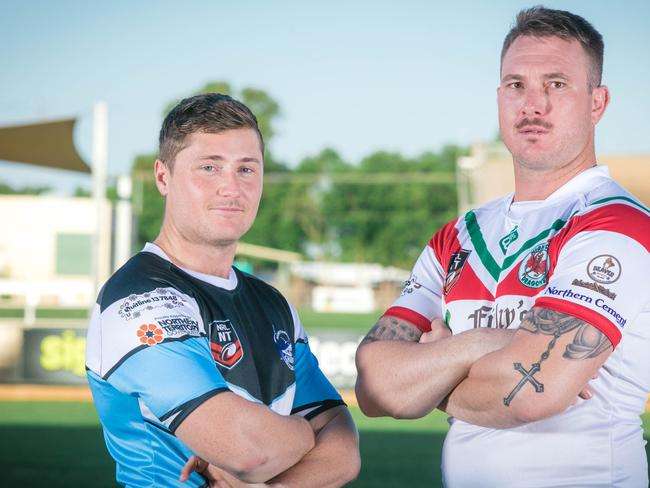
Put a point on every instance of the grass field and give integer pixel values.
(59, 444)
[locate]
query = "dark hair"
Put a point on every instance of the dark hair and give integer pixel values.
(211, 113)
(545, 22)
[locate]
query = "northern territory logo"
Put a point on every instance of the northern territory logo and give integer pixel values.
(454, 268)
(533, 270)
(225, 344)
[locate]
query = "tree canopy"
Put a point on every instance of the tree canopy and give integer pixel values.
(383, 209)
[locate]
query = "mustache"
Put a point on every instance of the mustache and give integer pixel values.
(534, 122)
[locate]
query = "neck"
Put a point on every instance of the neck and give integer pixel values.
(538, 184)
(211, 259)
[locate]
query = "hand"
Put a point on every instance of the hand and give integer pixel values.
(587, 392)
(439, 330)
(217, 478)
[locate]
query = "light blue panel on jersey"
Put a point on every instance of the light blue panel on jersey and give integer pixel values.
(311, 384)
(169, 376)
(137, 446)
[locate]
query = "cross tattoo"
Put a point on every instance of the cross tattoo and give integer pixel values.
(527, 378)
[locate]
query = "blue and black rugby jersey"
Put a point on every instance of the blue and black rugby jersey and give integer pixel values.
(162, 340)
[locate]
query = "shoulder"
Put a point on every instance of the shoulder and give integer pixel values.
(610, 208)
(140, 276)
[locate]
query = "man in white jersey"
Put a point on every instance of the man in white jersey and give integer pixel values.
(202, 374)
(540, 290)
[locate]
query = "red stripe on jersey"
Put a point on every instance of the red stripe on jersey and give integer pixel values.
(512, 285)
(469, 287)
(420, 321)
(593, 318)
(443, 241)
(616, 217)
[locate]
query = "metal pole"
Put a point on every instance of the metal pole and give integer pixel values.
(100, 161)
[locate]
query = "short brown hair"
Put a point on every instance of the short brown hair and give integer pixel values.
(210, 113)
(545, 22)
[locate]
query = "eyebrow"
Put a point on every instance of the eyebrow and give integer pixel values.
(217, 157)
(547, 76)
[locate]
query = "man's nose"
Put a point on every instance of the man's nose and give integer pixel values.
(535, 103)
(228, 183)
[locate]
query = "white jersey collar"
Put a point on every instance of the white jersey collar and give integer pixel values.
(229, 283)
(581, 183)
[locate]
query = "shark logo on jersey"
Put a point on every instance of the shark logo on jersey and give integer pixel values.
(284, 346)
(534, 267)
(454, 268)
(225, 345)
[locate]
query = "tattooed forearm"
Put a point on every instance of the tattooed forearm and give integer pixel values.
(393, 329)
(588, 342)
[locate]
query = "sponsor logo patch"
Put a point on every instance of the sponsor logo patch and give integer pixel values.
(595, 287)
(178, 325)
(150, 334)
(506, 240)
(225, 344)
(598, 302)
(411, 285)
(533, 270)
(604, 269)
(133, 305)
(284, 346)
(454, 269)
(497, 315)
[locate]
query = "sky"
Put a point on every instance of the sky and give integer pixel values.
(363, 76)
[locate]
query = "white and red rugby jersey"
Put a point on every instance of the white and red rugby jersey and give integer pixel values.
(583, 251)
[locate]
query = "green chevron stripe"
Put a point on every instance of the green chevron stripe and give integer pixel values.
(633, 202)
(557, 225)
(478, 242)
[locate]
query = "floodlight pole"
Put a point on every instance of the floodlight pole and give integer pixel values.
(100, 160)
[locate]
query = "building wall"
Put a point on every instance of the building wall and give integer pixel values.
(50, 239)
(487, 174)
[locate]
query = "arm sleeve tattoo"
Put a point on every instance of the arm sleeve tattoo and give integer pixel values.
(392, 329)
(588, 342)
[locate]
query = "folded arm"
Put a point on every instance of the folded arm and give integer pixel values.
(538, 374)
(246, 439)
(391, 359)
(334, 460)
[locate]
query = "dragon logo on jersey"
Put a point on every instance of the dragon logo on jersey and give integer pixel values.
(150, 334)
(454, 268)
(534, 268)
(284, 346)
(225, 344)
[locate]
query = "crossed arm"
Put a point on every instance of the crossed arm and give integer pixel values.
(478, 370)
(247, 443)
(538, 374)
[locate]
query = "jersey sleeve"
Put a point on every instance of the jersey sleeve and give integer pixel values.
(160, 354)
(600, 275)
(421, 299)
(314, 392)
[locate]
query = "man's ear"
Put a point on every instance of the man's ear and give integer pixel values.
(162, 174)
(599, 102)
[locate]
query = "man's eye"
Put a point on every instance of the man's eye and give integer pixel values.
(208, 168)
(558, 84)
(247, 170)
(515, 84)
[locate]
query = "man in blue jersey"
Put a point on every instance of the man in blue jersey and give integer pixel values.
(193, 363)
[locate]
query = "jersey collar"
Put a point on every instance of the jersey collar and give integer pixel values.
(229, 283)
